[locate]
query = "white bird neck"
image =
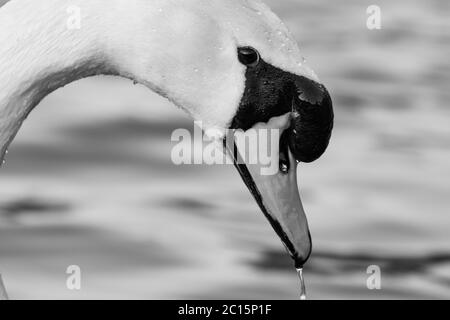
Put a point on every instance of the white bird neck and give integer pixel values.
(44, 46)
(185, 50)
(41, 50)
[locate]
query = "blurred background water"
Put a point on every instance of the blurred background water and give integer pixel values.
(89, 180)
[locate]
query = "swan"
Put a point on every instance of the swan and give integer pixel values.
(231, 64)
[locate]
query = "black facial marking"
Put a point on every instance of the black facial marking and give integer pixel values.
(267, 94)
(271, 92)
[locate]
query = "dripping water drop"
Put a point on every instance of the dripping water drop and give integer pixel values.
(302, 284)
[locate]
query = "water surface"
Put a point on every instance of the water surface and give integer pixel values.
(89, 180)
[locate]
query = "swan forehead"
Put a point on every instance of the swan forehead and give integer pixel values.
(246, 22)
(252, 23)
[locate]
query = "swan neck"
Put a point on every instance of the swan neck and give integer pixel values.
(46, 44)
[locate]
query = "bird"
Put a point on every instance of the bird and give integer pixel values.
(232, 64)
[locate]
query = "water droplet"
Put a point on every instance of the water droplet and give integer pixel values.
(160, 10)
(258, 13)
(302, 284)
(195, 70)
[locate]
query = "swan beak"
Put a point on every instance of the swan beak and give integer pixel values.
(278, 197)
(270, 94)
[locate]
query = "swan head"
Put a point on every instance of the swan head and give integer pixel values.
(234, 64)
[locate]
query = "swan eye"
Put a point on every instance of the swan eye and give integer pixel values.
(248, 56)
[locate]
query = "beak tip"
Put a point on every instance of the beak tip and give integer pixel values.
(301, 257)
(299, 262)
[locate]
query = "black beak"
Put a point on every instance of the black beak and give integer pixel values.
(271, 92)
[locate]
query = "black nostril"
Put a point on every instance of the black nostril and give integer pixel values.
(284, 153)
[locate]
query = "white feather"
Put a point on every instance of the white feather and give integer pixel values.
(183, 49)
